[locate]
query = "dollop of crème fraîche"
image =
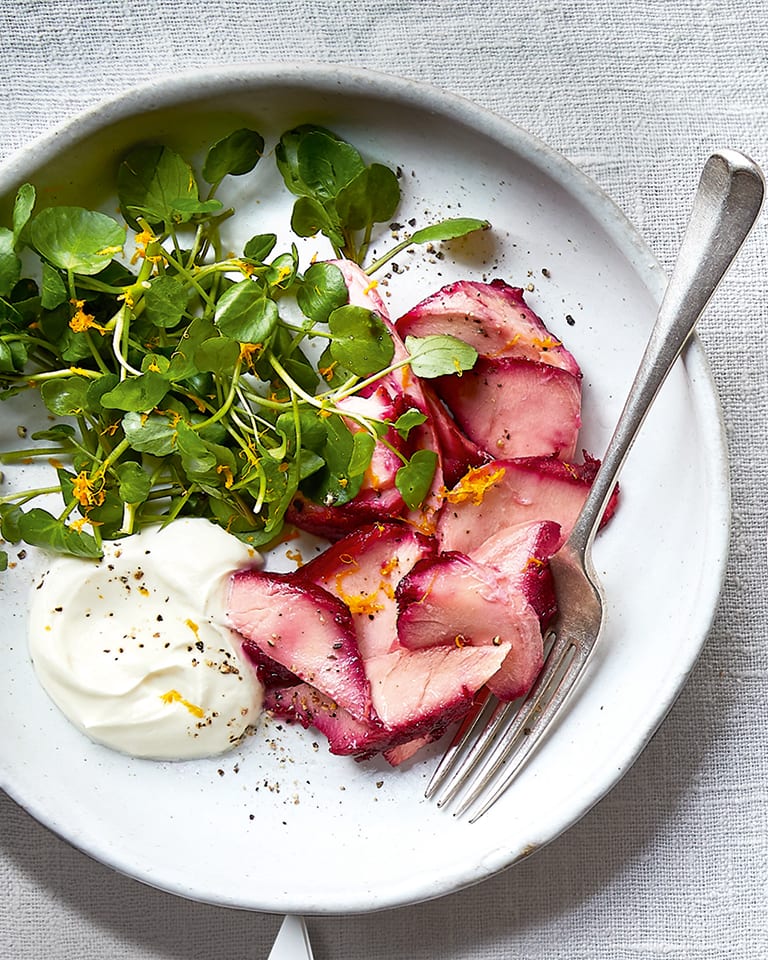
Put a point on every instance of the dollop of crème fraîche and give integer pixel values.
(135, 648)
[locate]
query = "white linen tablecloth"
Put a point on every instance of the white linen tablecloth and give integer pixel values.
(674, 861)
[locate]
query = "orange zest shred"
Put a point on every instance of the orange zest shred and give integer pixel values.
(173, 696)
(77, 525)
(327, 372)
(546, 343)
(389, 565)
(248, 351)
(143, 240)
(506, 347)
(89, 492)
(474, 485)
(228, 478)
(82, 321)
(245, 268)
(284, 273)
(387, 589)
(110, 251)
(365, 603)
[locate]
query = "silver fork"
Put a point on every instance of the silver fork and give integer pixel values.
(292, 940)
(497, 739)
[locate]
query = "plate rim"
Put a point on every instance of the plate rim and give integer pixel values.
(191, 85)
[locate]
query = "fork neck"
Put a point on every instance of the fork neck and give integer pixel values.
(725, 207)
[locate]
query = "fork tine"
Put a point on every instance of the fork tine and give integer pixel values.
(522, 721)
(486, 736)
(520, 749)
(469, 723)
(513, 714)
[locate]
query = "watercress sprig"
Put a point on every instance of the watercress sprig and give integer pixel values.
(177, 384)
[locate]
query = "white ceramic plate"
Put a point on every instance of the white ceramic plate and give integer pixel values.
(280, 825)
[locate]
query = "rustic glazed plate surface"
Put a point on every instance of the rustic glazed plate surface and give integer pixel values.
(279, 825)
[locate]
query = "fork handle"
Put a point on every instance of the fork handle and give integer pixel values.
(726, 205)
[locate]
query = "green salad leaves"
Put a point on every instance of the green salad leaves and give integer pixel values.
(175, 383)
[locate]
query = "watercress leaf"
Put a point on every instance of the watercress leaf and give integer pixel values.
(450, 229)
(302, 371)
(97, 389)
(414, 478)
(19, 355)
(276, 479)
(363, 445)
(371, 197)
(53, 324)
(227, 515)
(333, 485)
(282, 271)
(321, 291)
(217, 355)
(74, 347)
(76, 240)
(116, 274)
(10, 318)
(213, 433)
(155, 434)
(408, 420)
(10, 264)
(6, 358)
(165, 301)
(439, 355)
(134, 483)
(332, 372)
(326, 164)
(281, 486)
(235, 154)
(151, 180)
(138, 394)
(59, 431)
(108, 515)
(3, 561)
(65, 396)
(197, 457)
(10, 515)
(258, 248)
(309, 463)
(154, 362)
(22, 209)
(42, 529)
(182, 359)
(313, 432)
(286, 156)
(184, 208)
(362, 343)
(244, 312)
(200, 386)
(24, 291)
(53, 291)
(310, 217)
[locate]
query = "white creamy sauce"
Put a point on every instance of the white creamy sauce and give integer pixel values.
(135, 648)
